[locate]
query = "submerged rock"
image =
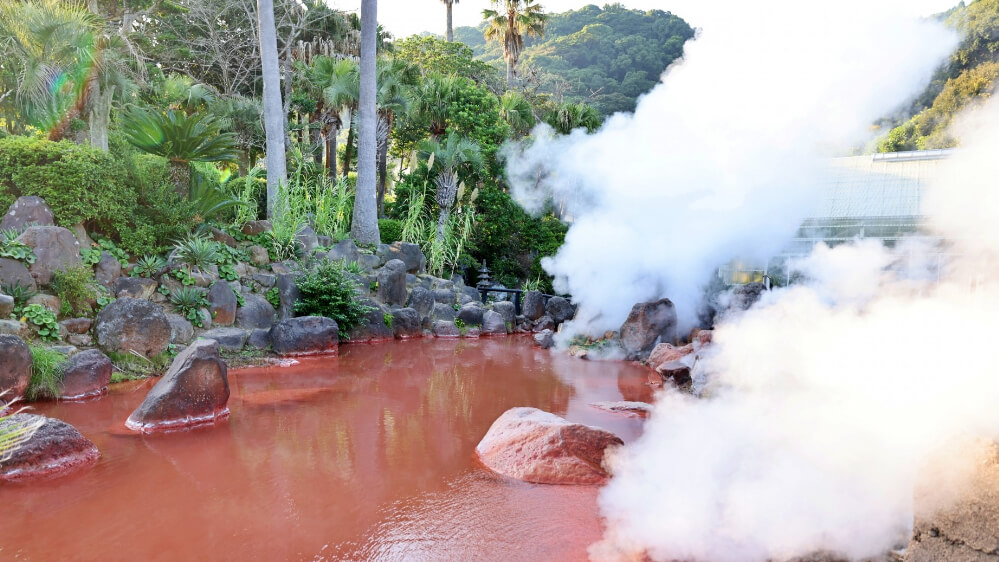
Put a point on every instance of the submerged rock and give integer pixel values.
(648, 324)
(372, 326)
(306, 335)
(545, 338)
(194, 390)
(55, 449)
(536, 446)
(406, 323)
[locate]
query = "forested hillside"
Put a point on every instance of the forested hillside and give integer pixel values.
(606, 56)
(967, 78)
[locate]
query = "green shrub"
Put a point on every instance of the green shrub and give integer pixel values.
(77, 290)
(327, 290)
(273, 296)
(11, 247)
(198, 252)
(43, 320)
(390, 230)
(189, 301)
(147, 266)
(46, 373)
(79, 183)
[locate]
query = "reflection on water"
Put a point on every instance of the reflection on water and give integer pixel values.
(369, 455)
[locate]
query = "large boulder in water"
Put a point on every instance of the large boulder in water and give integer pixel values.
(536, 446)
(85, 374)
(533, 305)
(406, 323)
(559, 309)
(27, 211)
(15, 366)
(55, 448)
(305, 335)
(648, 323)
(257, 313)
(55, 248)
(372, 326)
(133, 325)
(194, 390)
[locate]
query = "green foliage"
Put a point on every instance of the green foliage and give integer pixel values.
(189, 301)
(433, 54)
(390, 230)
(91, 256)
(20, 294)
(134, 366)
(42, 320)
(79, 184)
(460, 324)
(566, 117)
(107, 245)
(327, 290)
(184, 276)
(387, 319)
(77, 290)
(198, 252)
(354, 267)
(273, 296)
(46, 373)
(179, 137)
(11, 247)
(148, 266)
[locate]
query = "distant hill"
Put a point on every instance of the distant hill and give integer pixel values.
(606, 56)
(967, 78)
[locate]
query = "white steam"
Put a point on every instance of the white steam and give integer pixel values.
(828, 401)
(721, 159)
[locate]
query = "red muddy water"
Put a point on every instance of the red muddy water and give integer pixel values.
(365, 456)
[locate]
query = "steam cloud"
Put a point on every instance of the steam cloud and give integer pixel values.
(717, 160)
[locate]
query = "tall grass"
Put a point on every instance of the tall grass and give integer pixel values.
(46, 373)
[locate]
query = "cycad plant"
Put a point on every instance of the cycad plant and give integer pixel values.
(447, 161)
(180, 138)
(509, 24)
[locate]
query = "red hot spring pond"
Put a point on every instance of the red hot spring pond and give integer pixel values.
(364, 456)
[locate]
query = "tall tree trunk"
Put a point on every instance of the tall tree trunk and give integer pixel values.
(509, 71)
(450, 29)
(384, 127)
(100, 116)
(364, 227)
(277, 172)
(348, 150)
(331, 151)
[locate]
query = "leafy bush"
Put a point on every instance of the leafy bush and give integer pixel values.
(91, 256)
(198, 252)
(43, 320)
(189, 301)
(159, 216)
(11, 247)
(390, 230)
(46, 373)
(147, 266)
(327, 290)
(107, 245)
(273, 296)
(77, 290)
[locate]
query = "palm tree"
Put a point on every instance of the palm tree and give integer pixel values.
(394, 78)
(274, 114)
(337, 85)
(517, 112)
(569, 116)
(364, 226)
(517, 20)
(450, 28)
(433, 101)
(447, 161)
(180, 138)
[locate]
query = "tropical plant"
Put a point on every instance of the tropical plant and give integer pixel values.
(43, 320)
(46, 373)
(108, 245)
(395, 78)
(433, 101)
(246, 194)
(331, 203)
(326, 290)
(15, 432)
(450, 27)
(20, 293)
(336, 85)
(274, 113)
(91, 256)
(447, 161)
(11, 247)
(76, 289)
(189, 301)
(509, 25)
(517, 112)
(210, 196)
(180, 138)
(413, 225)
(566, 117)
(364, 226)
(148, 266)
(196, 252)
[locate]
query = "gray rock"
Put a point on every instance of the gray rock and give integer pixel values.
(406, 323)
(464, 299)
(55, 248)
(544, 323)
(470, 315)
(533, 305)
(13, 272)
(6, 306)
(80, 231)
(493, 323)
(648, 324)
(85, 374)
(443, 312)
(507, 310)
(14, 328)
(49, 302)
(445, 296)
(745, 296)
(229, 339)
(369, 261)
(392, 283)
(266, 280)
(306, 335)
(259, 339)
(205, 317)
(134, 287)
(259, 256)
(344, 250)
(133, 325)
(372, 327)
(224, 238)
(222, 304)
(421, 300)
(252, 228)
(195, 389)
(471, 293)
(445, 329)
(256, 313)
(77, 325)
(545, 339)
(288, 293)
(559, 309)
(108, 269)
(66, 350)
(81, 340)
(15, 366)
(307, 240)
(409, 254)
(181, 331)
(56, 448)
(27, 211)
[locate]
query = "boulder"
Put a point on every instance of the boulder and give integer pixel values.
(409, 254)
(306, 335)
(443, 312)
(470, 293)
(493, 324)
(27, 211)
(288, 293)
(223, 237)
(85, 374)
(222, 304)
(181, 330)
(967, 529)
(15, 328)
(133, 325)
(406, 323)
(194, 390)
(77, 325)
(665, 353)
(108, 269)
(471, 315)
(372, 326)
(544, 323)
(256, 313)
(229, 339)
(444, 296)
(507, 310)
(55, 248)
(6, 306)
(369, 261)
(703, 337)
(306, 240)
(266, 280)
(640, 409)
(648, 324)
(15, 366)
(344, 250)
(745, 296)
(13, 273)
(56, 448)
(80, 340)
(51, 303)
(445, 329)
(559, 309)
(676, 372)
(533, 305)
(134, 287)
(536, 446)
(421, 300)
(545, 339)
(392, 283)
(259, 256)
(252, 228)
(259, 339)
